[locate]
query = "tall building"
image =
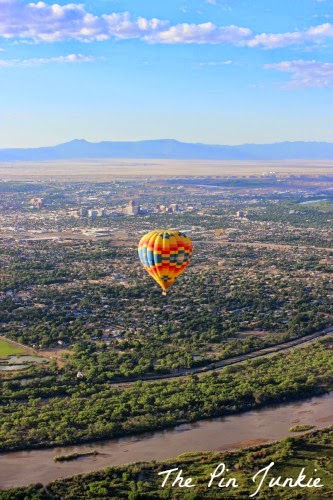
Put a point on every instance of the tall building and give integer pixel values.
(82, 212)
(133, 208)
(101, 212)
(92, 214)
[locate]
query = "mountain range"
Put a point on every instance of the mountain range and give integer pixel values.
(171, 149)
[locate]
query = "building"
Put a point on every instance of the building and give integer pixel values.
(92, 213)
(37, 202)
(133, 208)
(82, 212)
(74, 213)
(101, 212)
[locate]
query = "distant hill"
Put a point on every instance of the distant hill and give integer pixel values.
(172, 149)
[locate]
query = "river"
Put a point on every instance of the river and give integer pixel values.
(13, 363)
(235, 431)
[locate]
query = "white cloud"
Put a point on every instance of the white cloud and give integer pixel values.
(49, 23)
(199, 34)
(68, 59)
(216, 63)
(42, 22)
(306, 73)
(120, 26)
(219, 3)
(315, 34)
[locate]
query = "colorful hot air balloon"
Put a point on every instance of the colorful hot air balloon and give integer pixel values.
(165, 255)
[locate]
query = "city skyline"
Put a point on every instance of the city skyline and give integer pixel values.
(216, 72)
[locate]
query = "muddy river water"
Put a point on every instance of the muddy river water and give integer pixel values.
(236, 431)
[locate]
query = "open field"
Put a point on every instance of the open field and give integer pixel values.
(8, 349)
(106, 170)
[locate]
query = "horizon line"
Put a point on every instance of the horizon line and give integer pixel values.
(82, 140)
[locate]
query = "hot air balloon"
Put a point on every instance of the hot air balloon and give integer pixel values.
(165, 255)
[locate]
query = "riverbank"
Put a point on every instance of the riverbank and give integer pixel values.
(101, 411)
(312, 451)
(219, 434)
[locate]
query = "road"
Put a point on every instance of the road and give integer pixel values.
(218, 365)
(214, 366)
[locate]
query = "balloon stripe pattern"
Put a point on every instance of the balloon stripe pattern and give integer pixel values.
(165, 255)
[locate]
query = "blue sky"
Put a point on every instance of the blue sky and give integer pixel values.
(212, 71)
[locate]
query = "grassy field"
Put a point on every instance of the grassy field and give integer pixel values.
(7, 349)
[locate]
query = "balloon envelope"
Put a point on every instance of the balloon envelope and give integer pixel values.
(165, 255)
